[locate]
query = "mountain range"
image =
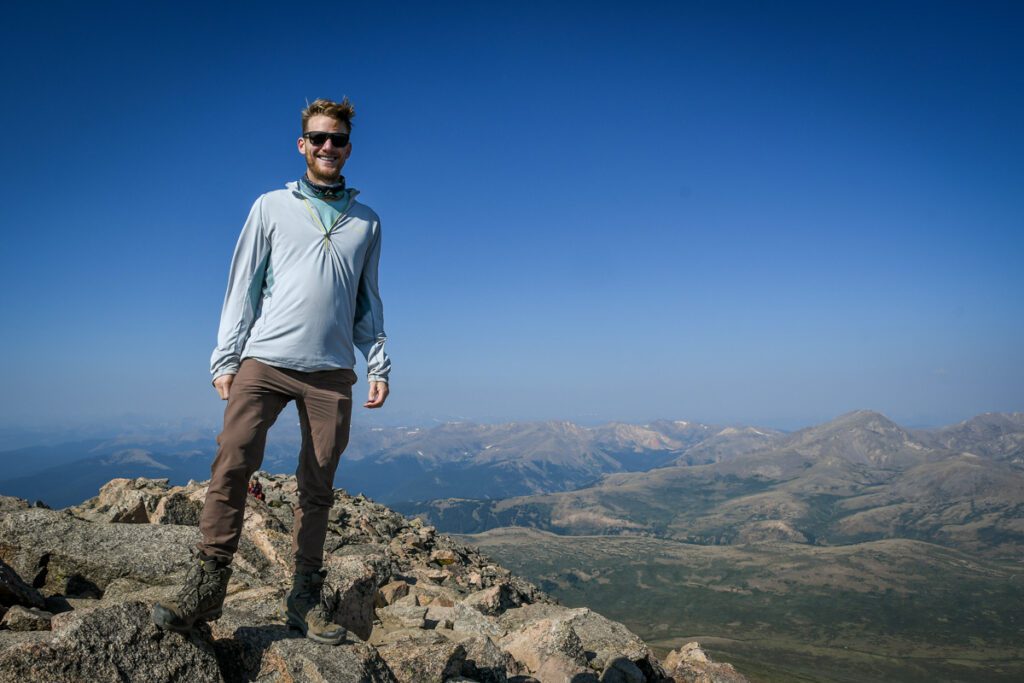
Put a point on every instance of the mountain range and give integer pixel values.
(860, 477)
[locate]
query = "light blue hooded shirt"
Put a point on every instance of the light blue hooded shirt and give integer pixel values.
(302, 294)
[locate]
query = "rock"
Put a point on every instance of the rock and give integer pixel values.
(602, 639)
(392, 591)
(127, 501)
(75, 558)
(548, 648)
(485, 661)
(11, 504)
(444, 557)
(423, 657)
(463, 619)
(402, 616)
(177, 508)
(298, 660)
(118, 643)
(690, 664)
(622, 670)
(557, 670)
(496, 599)
(20, 618)
(14, 591)
(355, 584)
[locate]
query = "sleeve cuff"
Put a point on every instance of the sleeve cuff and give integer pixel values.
(229, 370)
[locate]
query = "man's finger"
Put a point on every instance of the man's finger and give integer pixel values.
(378, 393)
(223, 386)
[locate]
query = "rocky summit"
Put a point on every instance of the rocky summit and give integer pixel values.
(77, 587)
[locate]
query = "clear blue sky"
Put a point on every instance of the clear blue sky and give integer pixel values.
(760, 212)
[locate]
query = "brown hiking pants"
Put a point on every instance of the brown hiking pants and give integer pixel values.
(258, 394)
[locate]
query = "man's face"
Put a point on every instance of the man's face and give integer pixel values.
(324, 162)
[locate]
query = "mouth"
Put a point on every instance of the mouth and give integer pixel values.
(327, 159)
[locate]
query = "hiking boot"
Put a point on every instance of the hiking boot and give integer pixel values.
(310, 607)
(200, 599)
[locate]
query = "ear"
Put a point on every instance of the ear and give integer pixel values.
(301, 144)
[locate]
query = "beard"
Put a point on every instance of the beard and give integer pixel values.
(320, 175)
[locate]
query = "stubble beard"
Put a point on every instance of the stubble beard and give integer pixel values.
(316, 177)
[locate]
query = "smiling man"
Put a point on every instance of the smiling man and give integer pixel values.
(302, 292)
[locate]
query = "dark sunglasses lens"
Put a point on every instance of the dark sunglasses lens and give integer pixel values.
(337, 139)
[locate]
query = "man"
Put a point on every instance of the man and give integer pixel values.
(302, 291)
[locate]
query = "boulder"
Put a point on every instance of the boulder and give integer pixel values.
(20, 618)
(395, 617)
(71, 557)
(463, 619)
(496, 599)
(117, 643)
(690, 664)
(178, 507)
(391, 591)
(298, 660)
(622, 670)
(548, 648)
(486, 662)
(603, 640)
(126, 501)
(11, 504)
(422, 657)
(14, 591)
(355, 584)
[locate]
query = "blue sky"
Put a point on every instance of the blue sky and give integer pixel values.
(736, 212)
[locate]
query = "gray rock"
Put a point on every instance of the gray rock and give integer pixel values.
(622, 670)
(402, 616)
(547, 648)
(10, 504)
(20, 618)
(178, 508)
(690, 664)
(603, 640)
(485, 661)
(14, 591)
(123, 501)
(497, 599)
(392, 591)
(110, 644)
(423, 657)
(79, 559)
(298, 660)
(355, 582)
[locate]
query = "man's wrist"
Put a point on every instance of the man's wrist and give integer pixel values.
(224, 371)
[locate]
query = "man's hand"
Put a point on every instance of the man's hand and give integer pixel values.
(223, 385)
(378, 393)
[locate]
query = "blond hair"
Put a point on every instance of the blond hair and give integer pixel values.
(342, 111)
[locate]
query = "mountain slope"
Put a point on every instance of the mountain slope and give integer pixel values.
(859, 477)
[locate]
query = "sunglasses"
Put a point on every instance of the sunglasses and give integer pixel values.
(318, 138)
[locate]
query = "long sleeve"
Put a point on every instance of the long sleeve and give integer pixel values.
(244, 294)
(368, 328)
